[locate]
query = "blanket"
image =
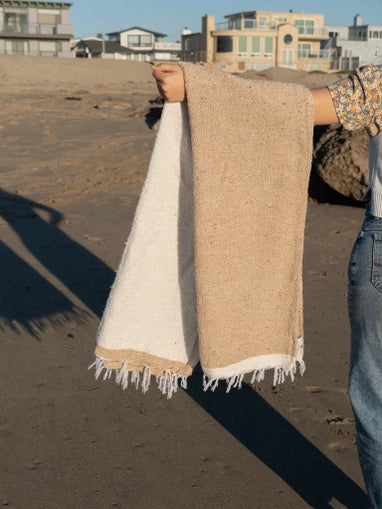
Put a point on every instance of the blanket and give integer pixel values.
(212, 268)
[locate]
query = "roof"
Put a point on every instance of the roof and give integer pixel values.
(157, 34)
(247, 13)
(40, 5)
(95, 46)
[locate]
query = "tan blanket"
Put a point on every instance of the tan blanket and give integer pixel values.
(233, 166)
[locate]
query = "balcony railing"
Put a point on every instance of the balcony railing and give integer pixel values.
(36, 29)
(252, 24)
(313, 32)
(144, 45)
(245, 24)
(322, 54)
(168, 46)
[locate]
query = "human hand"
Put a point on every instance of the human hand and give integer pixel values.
(170, 82)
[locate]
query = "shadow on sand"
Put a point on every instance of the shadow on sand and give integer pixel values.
(279, 445)
(28, 301)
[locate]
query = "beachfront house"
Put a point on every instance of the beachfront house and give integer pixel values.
(35, 28)
(259, 40)
(355, 45)
(97, 47)
(146, 45)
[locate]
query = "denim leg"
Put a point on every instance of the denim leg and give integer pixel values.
(365, 388)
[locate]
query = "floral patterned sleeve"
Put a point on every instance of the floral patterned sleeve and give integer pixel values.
(358, 99)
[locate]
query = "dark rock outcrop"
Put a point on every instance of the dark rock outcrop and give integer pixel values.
(340, 159)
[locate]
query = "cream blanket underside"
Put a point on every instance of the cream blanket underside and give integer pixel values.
(212, 269)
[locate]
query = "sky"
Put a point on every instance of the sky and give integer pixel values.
(91, 17)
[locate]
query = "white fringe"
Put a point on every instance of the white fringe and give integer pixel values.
(210, 383)
(280, 374)
(258, 375)
(168, 383)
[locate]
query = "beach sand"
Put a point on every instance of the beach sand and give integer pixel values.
(76, 141)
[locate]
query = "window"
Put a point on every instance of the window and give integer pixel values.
(133, 40)
(288, 39)
(15, 21)
(224, 44)
(234, 24)
(287, 57)
(139, 41)
(16, 47)
(263, 22)
(49, 46)
(255, 46)
(305, 26)
(249, 23)
(49, 16)
(268, 46)
(241, 66)
(243, 45)
(280, 20)
(146, 40)
(375, 35)
(304, 50)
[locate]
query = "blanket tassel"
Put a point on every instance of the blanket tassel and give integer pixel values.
(212, 383)
(258, 375)
(168, 383)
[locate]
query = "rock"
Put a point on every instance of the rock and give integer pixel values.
(340, 158)
(153, 117)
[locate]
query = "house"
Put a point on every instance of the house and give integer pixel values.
(97, 47)
(258, 40)
(35, 28)
(355, 45)
(146, 45)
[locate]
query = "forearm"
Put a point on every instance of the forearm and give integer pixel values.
(324, 110)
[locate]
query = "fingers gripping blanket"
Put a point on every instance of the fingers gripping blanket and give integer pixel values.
(212, 269)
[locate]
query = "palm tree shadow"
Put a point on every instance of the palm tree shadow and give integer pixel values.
(28, 301)
(280, 446)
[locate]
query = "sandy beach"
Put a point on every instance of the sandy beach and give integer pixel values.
(76, 140)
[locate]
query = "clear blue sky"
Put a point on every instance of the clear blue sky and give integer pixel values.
(90, 17)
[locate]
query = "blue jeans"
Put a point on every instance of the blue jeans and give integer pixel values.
(365, 387)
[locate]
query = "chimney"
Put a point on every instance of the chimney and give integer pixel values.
(357, 20)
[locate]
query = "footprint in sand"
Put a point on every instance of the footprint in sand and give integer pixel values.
(337, 447)
(313, 389)
(92, 238)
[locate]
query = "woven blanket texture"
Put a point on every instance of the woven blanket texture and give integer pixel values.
(212, 269)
